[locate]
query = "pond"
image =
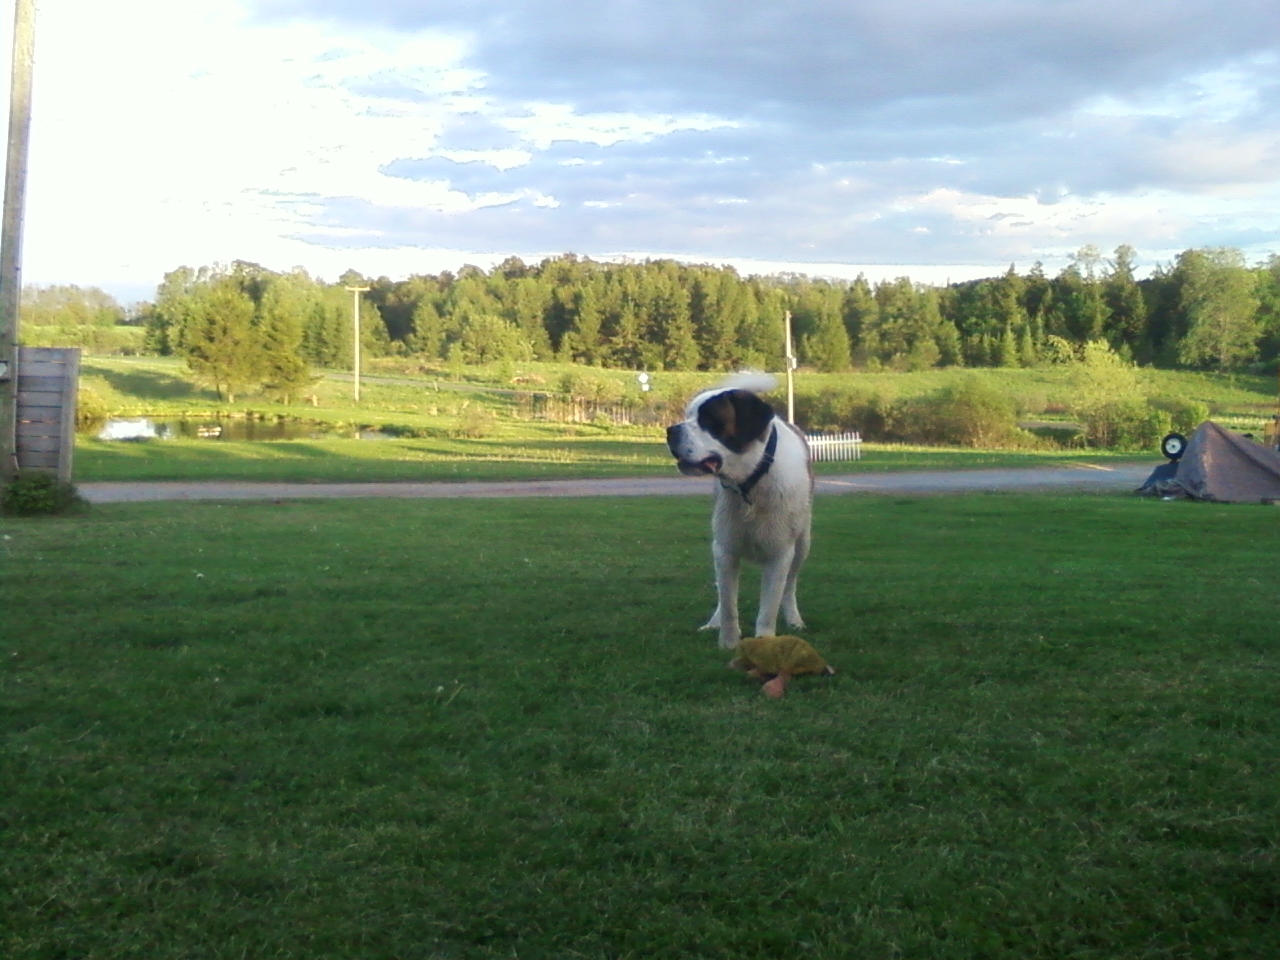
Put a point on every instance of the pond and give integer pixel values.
(175, 428)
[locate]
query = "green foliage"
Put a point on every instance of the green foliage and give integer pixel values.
(1111, 404)
(967, 413)
(92, 409)
(219, 339)
(1184, 415)
(1209, 310)
(34, 494)
(582, 385)
(1218, 298)
(1130, 424)
(474, 423)
(832, 410)
(486, 337)
(70, 306)
(71, 316)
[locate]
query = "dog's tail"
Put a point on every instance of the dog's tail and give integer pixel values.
(751, 380)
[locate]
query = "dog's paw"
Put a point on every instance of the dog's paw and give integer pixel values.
(729, 641)
(797, 621)
(713, 623)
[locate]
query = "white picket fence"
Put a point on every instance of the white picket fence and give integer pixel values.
(835, 446)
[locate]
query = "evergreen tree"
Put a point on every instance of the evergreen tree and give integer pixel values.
(861, 312)
(218, 337)
(428, 336)
(1007, 349)
(1126, 308)
(284, 304)
(584, 342)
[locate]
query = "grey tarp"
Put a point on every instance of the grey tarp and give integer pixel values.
(1222, 466)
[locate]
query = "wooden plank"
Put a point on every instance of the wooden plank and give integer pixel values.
(42, 369)
(40, 398)
(45, 354)
(40, 414)
(39, 444)
(72, 387)
(41, 384)
(47, 462)
(40, 429)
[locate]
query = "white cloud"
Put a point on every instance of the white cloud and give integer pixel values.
(392, 135)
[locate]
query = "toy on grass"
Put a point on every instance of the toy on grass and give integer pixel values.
(776, 660)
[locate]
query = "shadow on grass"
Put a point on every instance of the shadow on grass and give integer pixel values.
(148, 384)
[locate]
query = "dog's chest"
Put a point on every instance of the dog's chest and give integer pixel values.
(759, 530)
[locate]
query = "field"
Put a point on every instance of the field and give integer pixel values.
(488, 730)
(439, 406)
(406, 391)
(443, 459)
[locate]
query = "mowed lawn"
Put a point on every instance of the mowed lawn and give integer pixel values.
(451, 729)
(526, 458)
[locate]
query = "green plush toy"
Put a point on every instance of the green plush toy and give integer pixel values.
(777, 660)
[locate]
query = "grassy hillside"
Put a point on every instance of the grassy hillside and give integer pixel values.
(432, 395)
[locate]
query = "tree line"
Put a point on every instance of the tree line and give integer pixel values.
(243, 326)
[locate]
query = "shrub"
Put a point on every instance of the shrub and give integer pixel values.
(1126, 424)
(832, 410)
(474, 423)
(38, 494)
(91, 410)
(1184, 415)
(585, 386)
(968, 413)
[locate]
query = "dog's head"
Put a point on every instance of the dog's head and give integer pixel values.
(719, 426)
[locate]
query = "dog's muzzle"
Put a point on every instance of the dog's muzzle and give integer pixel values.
(701, 468)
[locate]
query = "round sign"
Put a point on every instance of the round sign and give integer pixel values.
(642, 377)
(1173, 445)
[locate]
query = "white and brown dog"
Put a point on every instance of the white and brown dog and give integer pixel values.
(764, 497)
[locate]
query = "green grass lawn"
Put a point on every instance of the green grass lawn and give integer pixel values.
(438, 729)
(535, 458)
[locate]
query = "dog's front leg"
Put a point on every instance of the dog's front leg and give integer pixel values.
(772, 585)
(725, 619)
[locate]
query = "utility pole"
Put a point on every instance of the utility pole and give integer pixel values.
(791, 370)
(15, 188)
(355, 339)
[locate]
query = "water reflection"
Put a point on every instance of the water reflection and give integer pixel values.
(141, 429)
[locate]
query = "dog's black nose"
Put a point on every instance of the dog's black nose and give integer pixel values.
(673, 434)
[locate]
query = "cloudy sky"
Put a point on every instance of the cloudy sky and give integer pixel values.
(929, 137)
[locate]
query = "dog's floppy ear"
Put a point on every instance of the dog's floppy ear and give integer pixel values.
(736, 418)
(754, 415)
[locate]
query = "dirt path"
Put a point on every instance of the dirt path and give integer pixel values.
(952, 481)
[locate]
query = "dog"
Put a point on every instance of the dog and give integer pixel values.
(763, 499)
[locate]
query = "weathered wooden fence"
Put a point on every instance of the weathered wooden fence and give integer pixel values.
(562, 409)
(835, 446)
(47, 378)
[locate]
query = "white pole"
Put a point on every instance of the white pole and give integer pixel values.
(791, 370)
(15, 188)
(355, 320)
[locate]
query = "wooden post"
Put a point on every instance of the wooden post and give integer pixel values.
(15, 188)
(791, 370)
(355, 320)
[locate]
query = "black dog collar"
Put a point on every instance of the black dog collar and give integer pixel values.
(744, 488)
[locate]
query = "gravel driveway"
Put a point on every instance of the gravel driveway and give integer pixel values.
(1080, 477)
